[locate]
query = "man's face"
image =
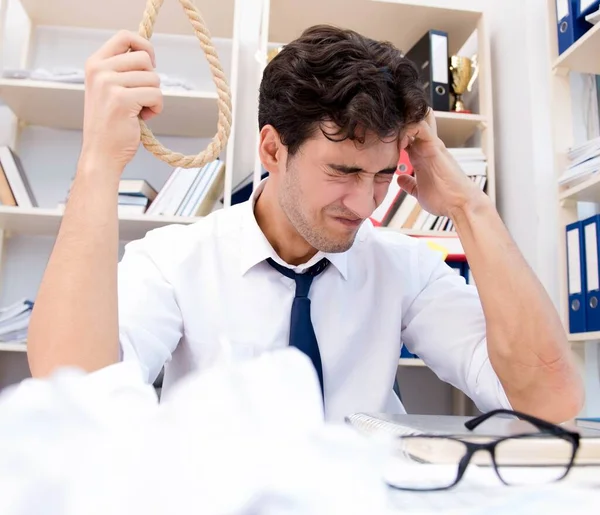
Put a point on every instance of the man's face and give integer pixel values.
(327, 189)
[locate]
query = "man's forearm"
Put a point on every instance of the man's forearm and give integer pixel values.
(526, 341)
(74, 321)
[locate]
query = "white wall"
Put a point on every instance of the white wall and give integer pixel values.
(525, 171)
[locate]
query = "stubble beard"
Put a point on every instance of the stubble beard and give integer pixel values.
(290, 200)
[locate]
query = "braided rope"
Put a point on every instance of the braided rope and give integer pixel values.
(224, 94)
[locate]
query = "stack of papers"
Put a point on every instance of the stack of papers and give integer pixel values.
(472, 160)
(584, 162)
(14, 321)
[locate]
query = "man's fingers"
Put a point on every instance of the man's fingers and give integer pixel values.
(425, 130)
(146, 114)
(149, 98)
(138, 60)
(431, 121)
(408, 183)
(123, 42)
(138, 79)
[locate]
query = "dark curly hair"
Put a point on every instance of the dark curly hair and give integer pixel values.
(336, 75)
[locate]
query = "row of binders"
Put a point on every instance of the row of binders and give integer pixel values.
(583, 274)
(399, 210)
(574, 19)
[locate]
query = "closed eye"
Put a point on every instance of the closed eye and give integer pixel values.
(349, 170)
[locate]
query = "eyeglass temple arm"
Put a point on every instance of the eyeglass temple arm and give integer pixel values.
(539, 423)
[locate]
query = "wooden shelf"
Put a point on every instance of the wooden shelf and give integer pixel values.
(13, 347)
(454, 129)
(119, 14)
(58, 105)
(46, 222)
(403, 22)
(411, 362)
(584, 337)
(587, 191)
(582, 56)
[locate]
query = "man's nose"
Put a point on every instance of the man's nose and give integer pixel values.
(361, 200)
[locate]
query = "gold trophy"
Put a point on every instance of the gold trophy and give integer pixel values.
(464, 71)
(273, 52)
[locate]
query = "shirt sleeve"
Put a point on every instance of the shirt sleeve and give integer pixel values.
(150, 322)
(444, 325)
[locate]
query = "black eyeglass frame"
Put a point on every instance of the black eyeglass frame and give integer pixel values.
(472, 447)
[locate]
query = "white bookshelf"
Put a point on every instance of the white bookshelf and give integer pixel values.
(60, 106)
(53, 28)
(455, 129)
(117, 14)
(587, 191)
(581, 57)
(402, 22)
(13, 347)
(46, 222)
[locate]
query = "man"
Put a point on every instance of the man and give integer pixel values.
(335, 110)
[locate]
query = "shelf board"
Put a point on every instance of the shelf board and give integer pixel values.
(119, 14)
(584, 337)
(411, 362)
(58, 105)
(587, 191)
(582, 56)
(403, 22)
(46, 222)
(13, 347)
(429, 234)
(454, 129)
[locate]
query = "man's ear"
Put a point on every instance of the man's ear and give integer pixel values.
(270, 149)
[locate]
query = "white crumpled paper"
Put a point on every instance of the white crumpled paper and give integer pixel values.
(246, 438)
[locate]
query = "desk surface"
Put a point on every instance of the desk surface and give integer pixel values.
(482, 492)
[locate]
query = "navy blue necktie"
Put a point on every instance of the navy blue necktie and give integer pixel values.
(302, 334)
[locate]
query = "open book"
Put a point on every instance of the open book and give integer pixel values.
(537, 449)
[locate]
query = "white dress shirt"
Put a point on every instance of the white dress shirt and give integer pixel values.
(192, 296)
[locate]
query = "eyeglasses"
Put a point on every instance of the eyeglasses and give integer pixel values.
(550, 449)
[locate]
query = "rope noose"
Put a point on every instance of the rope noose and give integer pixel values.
(219, 141)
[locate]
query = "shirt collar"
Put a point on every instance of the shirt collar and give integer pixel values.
(256, 248)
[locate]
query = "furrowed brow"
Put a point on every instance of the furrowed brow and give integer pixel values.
(346, 169)
(358, 169)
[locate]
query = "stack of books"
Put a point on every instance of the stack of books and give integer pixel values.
(14, 322)
(584, 162)
(135, 195)
(190, 191)
(406, 213)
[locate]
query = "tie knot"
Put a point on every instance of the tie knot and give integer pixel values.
(303, 281)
